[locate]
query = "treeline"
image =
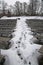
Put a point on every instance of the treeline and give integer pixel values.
(21, 9)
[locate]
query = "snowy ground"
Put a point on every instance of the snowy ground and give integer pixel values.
(23, 50)
(26, 17)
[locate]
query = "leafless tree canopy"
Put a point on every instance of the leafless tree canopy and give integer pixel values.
(35, 7)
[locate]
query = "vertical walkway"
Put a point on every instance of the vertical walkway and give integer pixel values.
(22, 52)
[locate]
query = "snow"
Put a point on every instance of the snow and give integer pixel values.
(23, 50)
(25, 17)
(4, 17)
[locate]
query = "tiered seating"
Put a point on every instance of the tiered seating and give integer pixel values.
(6, 26)
(36, 26)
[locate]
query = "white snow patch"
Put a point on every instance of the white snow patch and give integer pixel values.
(25, 17)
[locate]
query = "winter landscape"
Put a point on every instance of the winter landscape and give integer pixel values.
(21, 32)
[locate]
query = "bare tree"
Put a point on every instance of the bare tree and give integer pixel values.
(33, 5)
(29, 12)
(24, 7)
(4, 6)
(17, 5)
(21, 9)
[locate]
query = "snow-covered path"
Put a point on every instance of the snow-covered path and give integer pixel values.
(22, 52)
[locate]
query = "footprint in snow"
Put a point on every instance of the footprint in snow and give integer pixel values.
(23, 45)
(29, 63)
(19, 54)
(25, 62)
(20, 38)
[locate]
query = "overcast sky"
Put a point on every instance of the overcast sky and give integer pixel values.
(13, 1)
